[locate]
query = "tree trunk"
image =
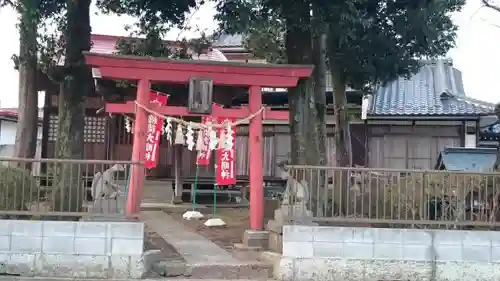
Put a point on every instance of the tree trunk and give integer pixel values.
(343, 150)
(324, 206)
(27, 125)
(496, 165)
(307, 105)
(76, 86)
(319, 75)
(301, 99)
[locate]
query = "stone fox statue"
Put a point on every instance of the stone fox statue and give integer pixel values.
(103, 185)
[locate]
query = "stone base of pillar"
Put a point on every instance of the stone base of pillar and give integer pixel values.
(256, 239)
(177, 199)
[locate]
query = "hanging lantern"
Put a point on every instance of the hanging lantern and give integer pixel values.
(213, 138)
(190, 137)
(179, 135)
(229, 141)
(200, 143)
(128, 126)
(168, 130)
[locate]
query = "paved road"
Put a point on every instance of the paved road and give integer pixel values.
(13, 278)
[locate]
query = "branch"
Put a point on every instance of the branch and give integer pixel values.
(487, 4)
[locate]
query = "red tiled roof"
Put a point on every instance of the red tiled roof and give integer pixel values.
(106, 44)
(11, 113)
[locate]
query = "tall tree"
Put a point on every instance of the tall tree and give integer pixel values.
(494, 7)
(282, 33)
(32, 16)
(373, 42)
(26, 62)
(491, 5)
(75, 84)
(368, 43)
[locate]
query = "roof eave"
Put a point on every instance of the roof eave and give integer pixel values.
(424, 117)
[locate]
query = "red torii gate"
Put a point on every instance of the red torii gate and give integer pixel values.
(147, 70)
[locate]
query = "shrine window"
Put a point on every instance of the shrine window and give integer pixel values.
(94, 130)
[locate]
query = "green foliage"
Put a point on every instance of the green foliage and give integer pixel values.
(17, 188)
(376, 41)
(153, 15)
(264, 29)
(265, 40)
(369, 41)
(153, 46)
(48, 17)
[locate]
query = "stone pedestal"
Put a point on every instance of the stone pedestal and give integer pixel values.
(298, 211)
(282, 216)
(256, 239)
(275, 242)
(177, 199)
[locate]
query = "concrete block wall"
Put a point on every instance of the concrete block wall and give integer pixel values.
(72, 249)
(372, 254)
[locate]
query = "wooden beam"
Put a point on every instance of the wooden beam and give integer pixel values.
(227, 67)
(280, 115)
(182, 77)
(239, 113)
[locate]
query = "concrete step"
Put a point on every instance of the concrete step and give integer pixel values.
(231, 271)
(169, 269)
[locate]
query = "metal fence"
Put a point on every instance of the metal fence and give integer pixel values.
(393, 198)
(63, 187)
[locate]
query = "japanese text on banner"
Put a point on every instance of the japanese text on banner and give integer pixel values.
(155, 127)
(204, 155)
(225, 172)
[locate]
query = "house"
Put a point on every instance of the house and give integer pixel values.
(410, 121)
(8, 127)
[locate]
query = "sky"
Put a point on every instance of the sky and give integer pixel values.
(476, 53)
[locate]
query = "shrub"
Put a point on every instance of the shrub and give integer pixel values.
(17, 188)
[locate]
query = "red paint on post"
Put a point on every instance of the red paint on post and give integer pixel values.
(256, 163)
(137, 176)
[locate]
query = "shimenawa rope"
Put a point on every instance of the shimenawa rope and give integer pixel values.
(196, 125)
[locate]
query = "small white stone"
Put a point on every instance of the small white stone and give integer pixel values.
(192, 215)
(214, 222)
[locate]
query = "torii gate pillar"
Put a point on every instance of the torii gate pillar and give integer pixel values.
(256, 164)
(137, 176)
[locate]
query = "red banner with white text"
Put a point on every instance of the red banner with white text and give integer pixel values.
(204, 155)
(225, 170)
(155, 128)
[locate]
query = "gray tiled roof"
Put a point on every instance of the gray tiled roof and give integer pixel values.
(436, 90)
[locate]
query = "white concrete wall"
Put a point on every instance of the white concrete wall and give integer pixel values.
(72, 249)
(8, 141)
(470, 140)
(373, 254)
(8, 132)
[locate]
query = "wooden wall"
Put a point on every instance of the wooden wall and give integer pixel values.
(276, 149)
(410, 147)
(95, 132)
